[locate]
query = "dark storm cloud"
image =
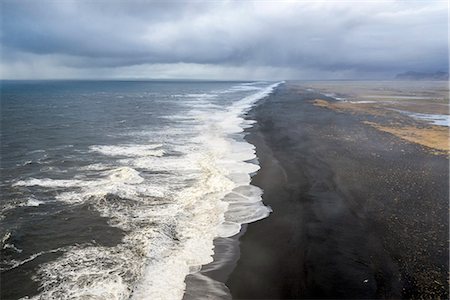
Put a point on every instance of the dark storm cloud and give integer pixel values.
(365, 37)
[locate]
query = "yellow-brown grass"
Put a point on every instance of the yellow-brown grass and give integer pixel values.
(435, 137)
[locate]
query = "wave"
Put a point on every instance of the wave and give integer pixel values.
(33, 202)
(241, 88)
(225, 172)
(171, 207)
(48, 182)
(16, 263)
(129, 150)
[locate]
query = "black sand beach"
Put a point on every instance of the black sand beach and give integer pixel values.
(357, 212)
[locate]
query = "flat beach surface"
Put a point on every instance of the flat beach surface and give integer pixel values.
(358, 212)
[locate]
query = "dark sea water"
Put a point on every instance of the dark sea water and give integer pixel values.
(117, 189)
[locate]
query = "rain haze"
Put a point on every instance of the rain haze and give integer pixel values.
(222, 39)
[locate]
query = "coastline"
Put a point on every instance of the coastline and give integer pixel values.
(209, 281)
(357, 213)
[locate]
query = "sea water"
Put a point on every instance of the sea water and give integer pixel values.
(117, 189)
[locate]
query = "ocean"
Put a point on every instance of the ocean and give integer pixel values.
(117, 189)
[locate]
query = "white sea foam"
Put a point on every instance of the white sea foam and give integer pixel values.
(245, 88)
(30, 201)
(12, 247)
(198, 96)
(33, 202)
(225, 170)
(27, 162)
(254, 83)
(49, 183)
(124, 175)
(130, 150)
(94, 167)
(171, 207)
(241, 88)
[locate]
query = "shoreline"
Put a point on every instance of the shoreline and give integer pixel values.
(349, 218)
(357, 213)
(210, 281)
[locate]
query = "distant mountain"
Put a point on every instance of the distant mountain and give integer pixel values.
(411, 75)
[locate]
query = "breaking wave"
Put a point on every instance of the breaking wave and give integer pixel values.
(171, 197)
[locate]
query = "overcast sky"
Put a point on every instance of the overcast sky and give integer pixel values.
(222, 39)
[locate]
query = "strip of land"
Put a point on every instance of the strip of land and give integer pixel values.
(358, 210)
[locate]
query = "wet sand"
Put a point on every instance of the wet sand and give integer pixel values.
(358, 212)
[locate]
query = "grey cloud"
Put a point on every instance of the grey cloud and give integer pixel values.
(376, 38)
